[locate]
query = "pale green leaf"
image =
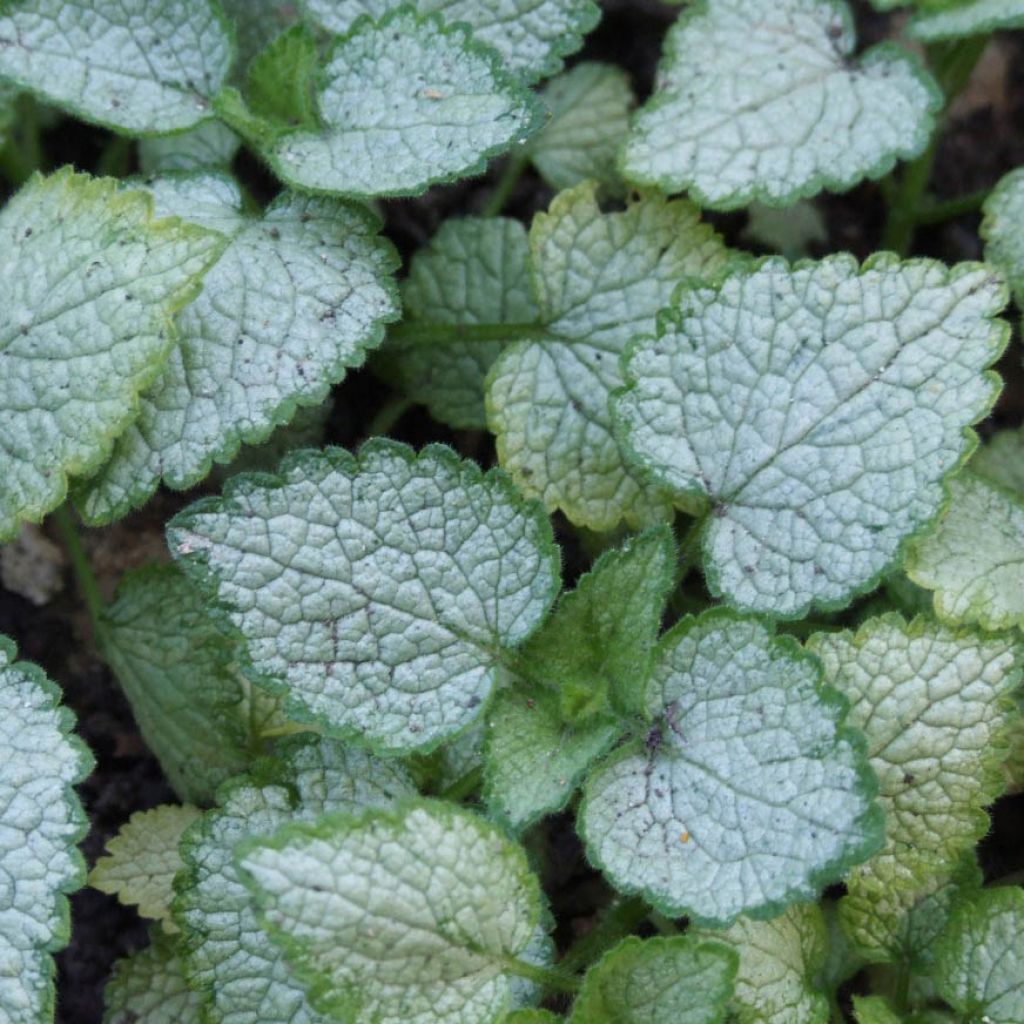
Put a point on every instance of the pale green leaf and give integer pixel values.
(597, 646)
(405, 103)
(209, 145)
(404, 917)
(142, 860)
(1000, 459)
(678, 980)
(1002, 228)
(818, 409)
(282, 78)
(935, 707)
(600, 279)
(138, 66)
(532, 36)
(298, 297)
(980, 963)
(779, 961)
(533, 759)
(41, 820)
(228, 957)
(474, 271)
(88, 282)
(973, 559)
(874, 1010)
(376, 592)
(177, 665)
(590, 107)
(763, 100)
(258, 23)
(149, 987)
(971, 18)
(790, 231)
(746, 792)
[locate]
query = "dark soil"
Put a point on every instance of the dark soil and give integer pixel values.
(984, 140)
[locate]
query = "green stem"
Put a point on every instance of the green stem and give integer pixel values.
(413, 332)
(464, 786)
(620, 920)
(85, 578)
(510, 175)
(836, 1015)
(116, 157)
(388, 415)
(953, 64)
(547, 977)
(938, 211)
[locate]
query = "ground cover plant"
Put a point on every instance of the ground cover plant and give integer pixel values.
(511, 512)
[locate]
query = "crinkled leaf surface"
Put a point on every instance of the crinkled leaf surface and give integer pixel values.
(177, 665)
(142, 860)
(376, 592)
(533, 758)
(282, 78)
(600, 279)
(590, 107)
(41, 820)
(779, 961)
(762, 100)
(746, 792)
(1002, 228)
(407, 917)
(532, 36)
(474, 271)
(980, 966)
(88, 281)
(1000, 460)
(972, 18)
(405, 103)
(149, 987)
(676, 980)
(242, 974)
(973, 559)
(208, 145)
(298, 297)
(934, 704)
(139, 66)
(818, 408)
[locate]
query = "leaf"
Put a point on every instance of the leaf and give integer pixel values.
(764, 101)
(41, 820)
(973, 559)
(89, 281)
(1000, 460)
(137, 66)
(971, 18)
(228, 957)
(674, 980)
(376, 592)
(474, 271)
(532, 1017)
(590, 107)
(298, 297)
(177, 666)
(818, 409)
(532, 36)
(257, 23)
(209, 145)
(979, 969)
(282, 78)
(404, 103)
(149, 987)
(874, 1010)
(599, 279)
(533, 759)
(746, 792)
(779, 961)
(935, 706)
(1001, 229)
(142, 860)
(790, 231)
(343, 896)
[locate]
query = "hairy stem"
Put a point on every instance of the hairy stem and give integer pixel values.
(388, 415)
(551, 978)
(464, 786)
(510, 175)
(85, 578)
(937, 211)
(619, 920)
